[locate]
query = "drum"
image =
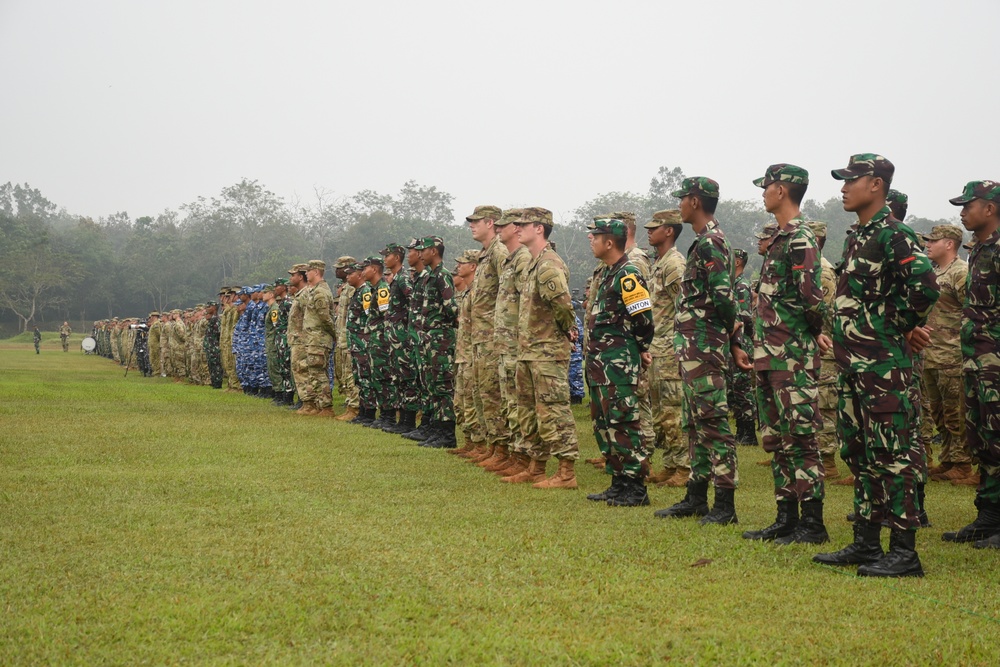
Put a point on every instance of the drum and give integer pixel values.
(88, 344)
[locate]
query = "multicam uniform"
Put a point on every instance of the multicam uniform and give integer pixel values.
(490, 407)
(828, 371)
(155, 329)
(465, 406)
(318, 331)
(505, 337)
(666, 392)
(343, 363)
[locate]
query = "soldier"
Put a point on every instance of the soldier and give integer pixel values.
(739, 384)
(64, 332)
(665, 381)
(546, 327)
(885, 290)
(259, 342)
(178, 346)
(316, 338)
(465, 407)
(942, 374)
(343, 365)
(36, 339)
(211, 344)
(788, 336)
(490, 407)
(620, 326)
(402, 383)
(980, 202)
(378, 351)
(418, 278)
(439, 317)
(705, 328)
(357, 337)
(227, 322)
(271, 316)
(153, 342)
(166, 334)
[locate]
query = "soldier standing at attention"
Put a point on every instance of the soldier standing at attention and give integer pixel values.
(166, 335)
(439, 319)
(739, 384)
(665, 381)
(317, 341)
(284, 390)
(378, 357)
(401, 382)
(546, 327)
(211, 345)
(36, 338)
(943, 392)
(465, 408)
(155, 328)
(418, 278)
(357, 338)
(64, 332)
(885, 290)
(490, 407)
(342, 364)
(705, 334)
(788, 336)
(620, 330)
(980, 202)
(826, 437)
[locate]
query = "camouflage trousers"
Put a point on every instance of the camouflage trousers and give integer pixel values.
(667, 396)
(213, 356)
(875, 426)
(403, 379)
(362, 373)
(179, 363)
(508, 392)
(547, 425)
(343, 368)
(378, 363)
(417, 362)
(155, 362)
(740, 396)
(916, 396)
(614, 409)
(705, 420)
(229, 364)
(944, 408)
(465, 406)
(490, 407)
(166, 361)
(437, 347)
(787, 403)
(829, 444)
(982, 429)
(272, 362)
(309, 363)
(646, 429)
(284, 362)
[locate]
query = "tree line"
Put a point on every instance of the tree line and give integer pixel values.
(57, 266)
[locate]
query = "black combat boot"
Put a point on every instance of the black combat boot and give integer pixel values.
(294, 404)
(362, 414)
(290, 398)
(277, 397)
(900, 561)
(392, 422)
(988, 543)
(810, 529)
(724, 510)
(746, 432)
(616, 488)
(633, 494)
(986, 525)
(925, 521)
(422, 432)
(444, 438)
(865, 548)
(407, 422)
(365, 417)
(695, 502)
(784, 524)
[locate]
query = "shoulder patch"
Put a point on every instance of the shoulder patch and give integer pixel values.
(383, 299)
(634, 295)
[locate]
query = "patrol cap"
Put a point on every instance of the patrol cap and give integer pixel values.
(697, 185)
(430, 242)
(988, 190)
(768, 231)
(817, 228)
(483, 212)
(509, 216)
(317, 264)
(783, 173)
(414, 244)
(154, 314)
(668, 217)
(865, 164)
(896, 197)
(299, 268)
(393, 248)
(740, 254)
(211, 304)
(535, 214)
(280, 281)
(343, 261)
(468, 257)
(372, 259)
(628, 217)
(351, 268)
(939, 232)
(612, 226)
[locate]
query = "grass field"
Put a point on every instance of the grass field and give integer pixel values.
(148, 522)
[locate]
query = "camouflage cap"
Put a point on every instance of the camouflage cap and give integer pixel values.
(211, 304)
(939, 232)
(483, 212)
(768, 231)
(988, 190)
(343, 261)
(299, 268)
(154, 314)
(865, 164)
(280, 281)
(351, 268)
(414, 244)
(668, 217)
(373, 259)
(740, 254)
(468, 257)
(392, 248)
(783, 173)
(697, 185)
(628, 217)
(430, 242)
(535, 214)
(317, 264)
(612, 226)
(817, 228)
(896, 197)
(509, 216)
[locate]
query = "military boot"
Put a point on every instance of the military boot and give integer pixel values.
(746, 432)
(564, 478)
(865, 548)
(925, 521)
(810, 529)
(478, 448)
(295, 404)
(957, 471)
(488, 453)
(366, 417)
(900, 561)
(407, 422)
(784, 523)
(385, 417)
(308, 409)
(695, 502)
(392, 422)
(535, 472)
(986, 525)
(350, 414)
(634, 494)
(613, 491)
(988, 543)
(724, 510)
(278, 398)
(499, 454)
(830, 467)
(679, 478)
(598, 462)
(661, 476)
(433, 434)
(422, 432)
(519, 462)
(940, 469)
(499, 462)
(445, 438)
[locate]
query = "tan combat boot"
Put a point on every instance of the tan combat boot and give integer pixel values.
(661, 476)
(970, 479)
(764, 463)
(487, 453)
(327, 412)
(477, 449)
(498, 462)
(499, 452)
(830, 466)
(308, 409)
(565, 477)
(349, 414)
(596, 462)
(517, 462)
(535, 472)
(464, 449)
(678, 479)
(845, 481)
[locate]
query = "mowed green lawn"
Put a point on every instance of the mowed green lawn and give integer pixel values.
(149, 522)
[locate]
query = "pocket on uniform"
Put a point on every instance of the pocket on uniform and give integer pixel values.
(552, 383)
(866, 280)
(624, 409)
(803, 413)
(707, 396)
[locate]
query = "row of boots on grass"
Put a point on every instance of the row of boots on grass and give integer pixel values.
(514, 467)
(432, 433)
(695, 504)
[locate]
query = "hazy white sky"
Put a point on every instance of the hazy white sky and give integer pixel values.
(142, 105)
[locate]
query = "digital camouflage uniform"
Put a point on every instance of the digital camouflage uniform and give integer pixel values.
(318, 331)
(885, 287)
(64, 333)
(620, 326)
(786, 359)
(155, 330)
(490, 407)
(505, 334)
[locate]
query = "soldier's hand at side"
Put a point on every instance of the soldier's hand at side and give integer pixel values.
(646, 358)
(573, 334)
(740, 358)
(824, 342)
(918, 338)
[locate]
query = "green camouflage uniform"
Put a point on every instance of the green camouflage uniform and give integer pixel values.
(829, 444)
(439, 317)
(227, 325)
(271, 344)
(155, 329)
(213, 355)
(740, 383)
(358, 339)
(402, 380)
(378, 345)
(343, 365)
(414, 325)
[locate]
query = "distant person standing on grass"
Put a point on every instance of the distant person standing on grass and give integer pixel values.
(64, 332)
(37, 339)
